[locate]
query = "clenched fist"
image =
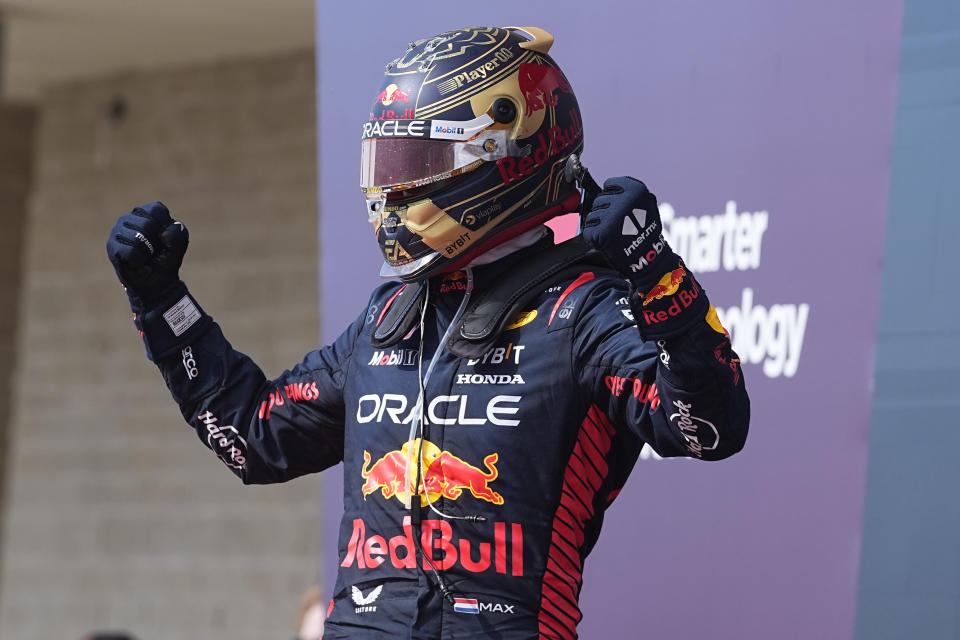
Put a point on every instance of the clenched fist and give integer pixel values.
(146, 247)
(624, 225)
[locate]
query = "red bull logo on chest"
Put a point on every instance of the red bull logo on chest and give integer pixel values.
(499, 551)
(442, 474)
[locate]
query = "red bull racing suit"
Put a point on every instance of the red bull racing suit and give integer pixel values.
(522, 449)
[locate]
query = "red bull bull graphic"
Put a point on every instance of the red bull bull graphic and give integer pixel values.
(442, 475)
(539, 84)
(392, 93)
(681, 300)
(667, 286)
(477, 554)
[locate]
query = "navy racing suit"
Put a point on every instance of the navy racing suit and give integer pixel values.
(518, 454)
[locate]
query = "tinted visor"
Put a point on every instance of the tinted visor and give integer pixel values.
(392, 162)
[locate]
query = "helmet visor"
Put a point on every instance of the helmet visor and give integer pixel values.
(390, 163)
(396, 162)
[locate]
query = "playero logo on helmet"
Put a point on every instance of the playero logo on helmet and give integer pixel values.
(480, 72)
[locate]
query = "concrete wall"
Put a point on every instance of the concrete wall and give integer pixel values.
(116, 515)
(16, 169)
(910, 563)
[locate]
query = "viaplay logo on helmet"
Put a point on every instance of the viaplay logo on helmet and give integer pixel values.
(551, 144)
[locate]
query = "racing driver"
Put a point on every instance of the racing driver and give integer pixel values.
(490, 401)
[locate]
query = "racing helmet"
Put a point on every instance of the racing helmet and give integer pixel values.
(466, 146)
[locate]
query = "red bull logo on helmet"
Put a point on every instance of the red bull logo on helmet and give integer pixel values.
(442, 475)
(392, 94)
(539, 84)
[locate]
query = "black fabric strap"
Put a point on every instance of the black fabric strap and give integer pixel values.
(491, 308)
(400, 316)
(505, 291)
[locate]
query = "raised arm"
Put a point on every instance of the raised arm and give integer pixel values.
(263, 430)
(650, 348)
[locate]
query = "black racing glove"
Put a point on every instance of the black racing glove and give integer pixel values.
(146, 248)
(624, 225)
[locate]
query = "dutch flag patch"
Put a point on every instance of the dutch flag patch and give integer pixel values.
(466, 605)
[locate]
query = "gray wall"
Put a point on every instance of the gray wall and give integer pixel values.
(116, 515)
(16, 168)
(910, 564)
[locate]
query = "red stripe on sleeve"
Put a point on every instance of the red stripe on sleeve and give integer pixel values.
(583, 278)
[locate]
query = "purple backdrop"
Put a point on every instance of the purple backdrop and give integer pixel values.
(766, 130)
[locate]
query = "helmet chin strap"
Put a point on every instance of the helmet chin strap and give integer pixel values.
(574, 170)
